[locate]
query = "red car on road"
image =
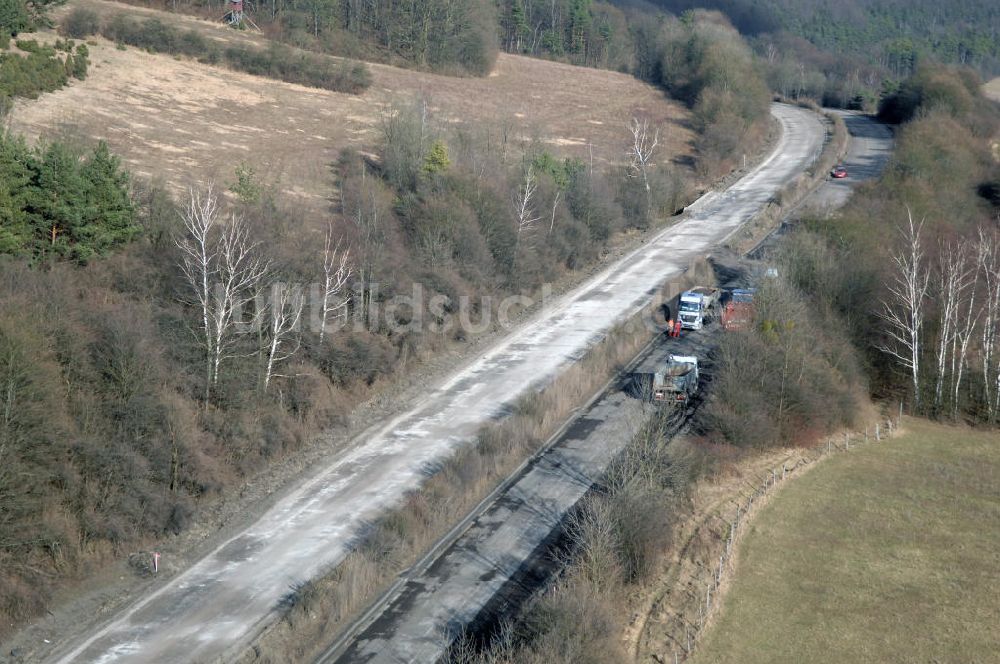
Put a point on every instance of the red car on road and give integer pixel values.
(838, 172)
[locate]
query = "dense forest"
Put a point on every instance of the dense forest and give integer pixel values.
(893, 33)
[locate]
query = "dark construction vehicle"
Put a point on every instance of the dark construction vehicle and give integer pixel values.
(669, 380)
(738, 310)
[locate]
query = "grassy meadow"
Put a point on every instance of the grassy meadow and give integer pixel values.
(889, 553)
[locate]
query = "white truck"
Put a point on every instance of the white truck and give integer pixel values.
(696, 306)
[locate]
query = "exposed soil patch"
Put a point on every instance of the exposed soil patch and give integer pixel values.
(992, 89)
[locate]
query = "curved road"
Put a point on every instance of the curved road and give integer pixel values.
(215, 608)
(868, 153)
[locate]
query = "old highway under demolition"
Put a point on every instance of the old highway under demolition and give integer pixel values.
(506, 554)
(218, 606)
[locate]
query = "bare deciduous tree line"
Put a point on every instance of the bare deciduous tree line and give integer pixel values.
(232, 283)
(941, 321)
(226, 271)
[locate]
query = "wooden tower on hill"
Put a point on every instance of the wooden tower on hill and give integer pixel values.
(237, 16)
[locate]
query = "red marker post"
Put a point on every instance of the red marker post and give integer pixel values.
(156, 562)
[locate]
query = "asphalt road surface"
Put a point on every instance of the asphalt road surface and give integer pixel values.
(494, 566)
(869, 150)
(506, 554)
(217, 606)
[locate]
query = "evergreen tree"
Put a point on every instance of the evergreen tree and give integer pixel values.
(110, 215)
(437, 160)
(14, 17)
(579, 25)
(15, 186)
(51, 203)
(517, 27)
(247, 186)
(57, 203)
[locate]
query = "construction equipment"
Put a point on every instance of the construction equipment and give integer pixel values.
(738, 311)
(696, 306)
(670, 381)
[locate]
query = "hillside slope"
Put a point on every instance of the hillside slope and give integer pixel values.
(187, 122)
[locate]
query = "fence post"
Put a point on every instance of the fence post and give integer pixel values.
(878, 435)
(900, 419)
(783, 471)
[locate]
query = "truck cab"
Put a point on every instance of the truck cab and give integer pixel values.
(694, 307)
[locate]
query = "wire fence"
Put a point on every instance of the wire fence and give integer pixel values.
(685, 629)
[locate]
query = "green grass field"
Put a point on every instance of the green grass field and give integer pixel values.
(888, 553)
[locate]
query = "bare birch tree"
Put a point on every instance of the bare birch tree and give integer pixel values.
(285, 308)
(954, 278)
(198, 257)
(904, 312)
(224, 271)
(555, 206)
(640, 154)
(360, 204)
(523, 203)
(970, 312)
(336, 272)
(988, 260)
(241, 273)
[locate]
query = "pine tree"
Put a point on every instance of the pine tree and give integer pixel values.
(80, 62)
(56, 203)
(110, 215)
(579, 17)
(437, 160)
(15, 182)
(518, 27)
(14, 17)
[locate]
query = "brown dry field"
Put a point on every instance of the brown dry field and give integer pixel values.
(184, 122)
(993, 89)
